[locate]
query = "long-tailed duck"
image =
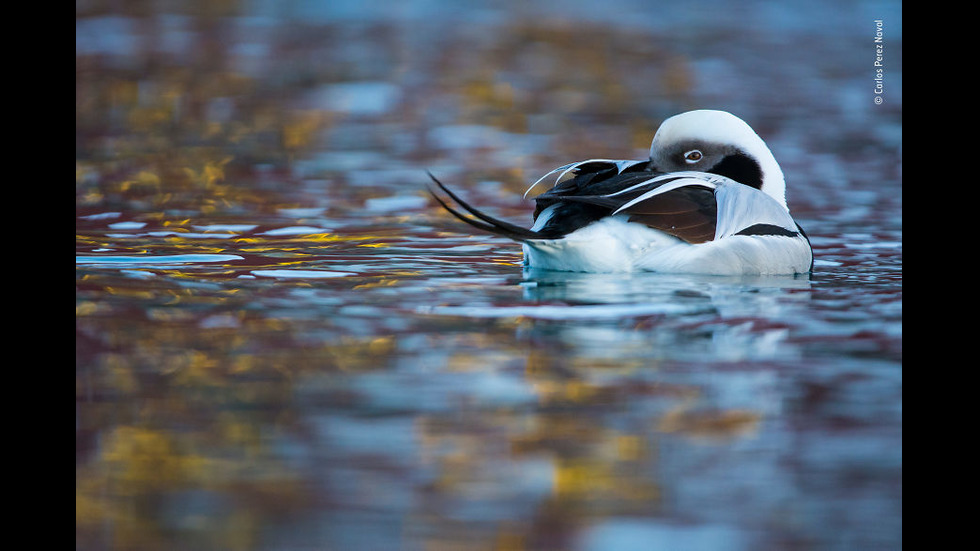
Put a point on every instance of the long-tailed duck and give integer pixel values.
(710, 199)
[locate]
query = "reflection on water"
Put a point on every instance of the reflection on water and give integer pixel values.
(281, 343)
(408, 402)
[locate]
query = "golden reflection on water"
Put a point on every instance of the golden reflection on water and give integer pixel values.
(185, 399)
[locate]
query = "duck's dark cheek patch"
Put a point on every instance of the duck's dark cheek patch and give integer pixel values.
(741, 168)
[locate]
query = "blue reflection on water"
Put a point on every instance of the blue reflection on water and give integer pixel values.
(148, 260)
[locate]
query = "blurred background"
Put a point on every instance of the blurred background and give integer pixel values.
(281, 343)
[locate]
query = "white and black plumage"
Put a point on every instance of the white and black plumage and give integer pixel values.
(710, 199)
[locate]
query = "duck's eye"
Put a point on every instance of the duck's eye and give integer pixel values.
(693, 156)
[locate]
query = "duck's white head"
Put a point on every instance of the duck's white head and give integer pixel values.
(720, 143)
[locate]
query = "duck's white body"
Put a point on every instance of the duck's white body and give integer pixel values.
(614, 244)
(666, 214)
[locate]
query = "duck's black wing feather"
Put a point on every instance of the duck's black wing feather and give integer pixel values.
(585, 198)
(688, 213)
(594, 178)
(598, 189)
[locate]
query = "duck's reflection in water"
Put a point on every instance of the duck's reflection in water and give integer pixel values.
(656, 316)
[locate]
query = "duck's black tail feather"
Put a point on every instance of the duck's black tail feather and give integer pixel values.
(480, 220)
